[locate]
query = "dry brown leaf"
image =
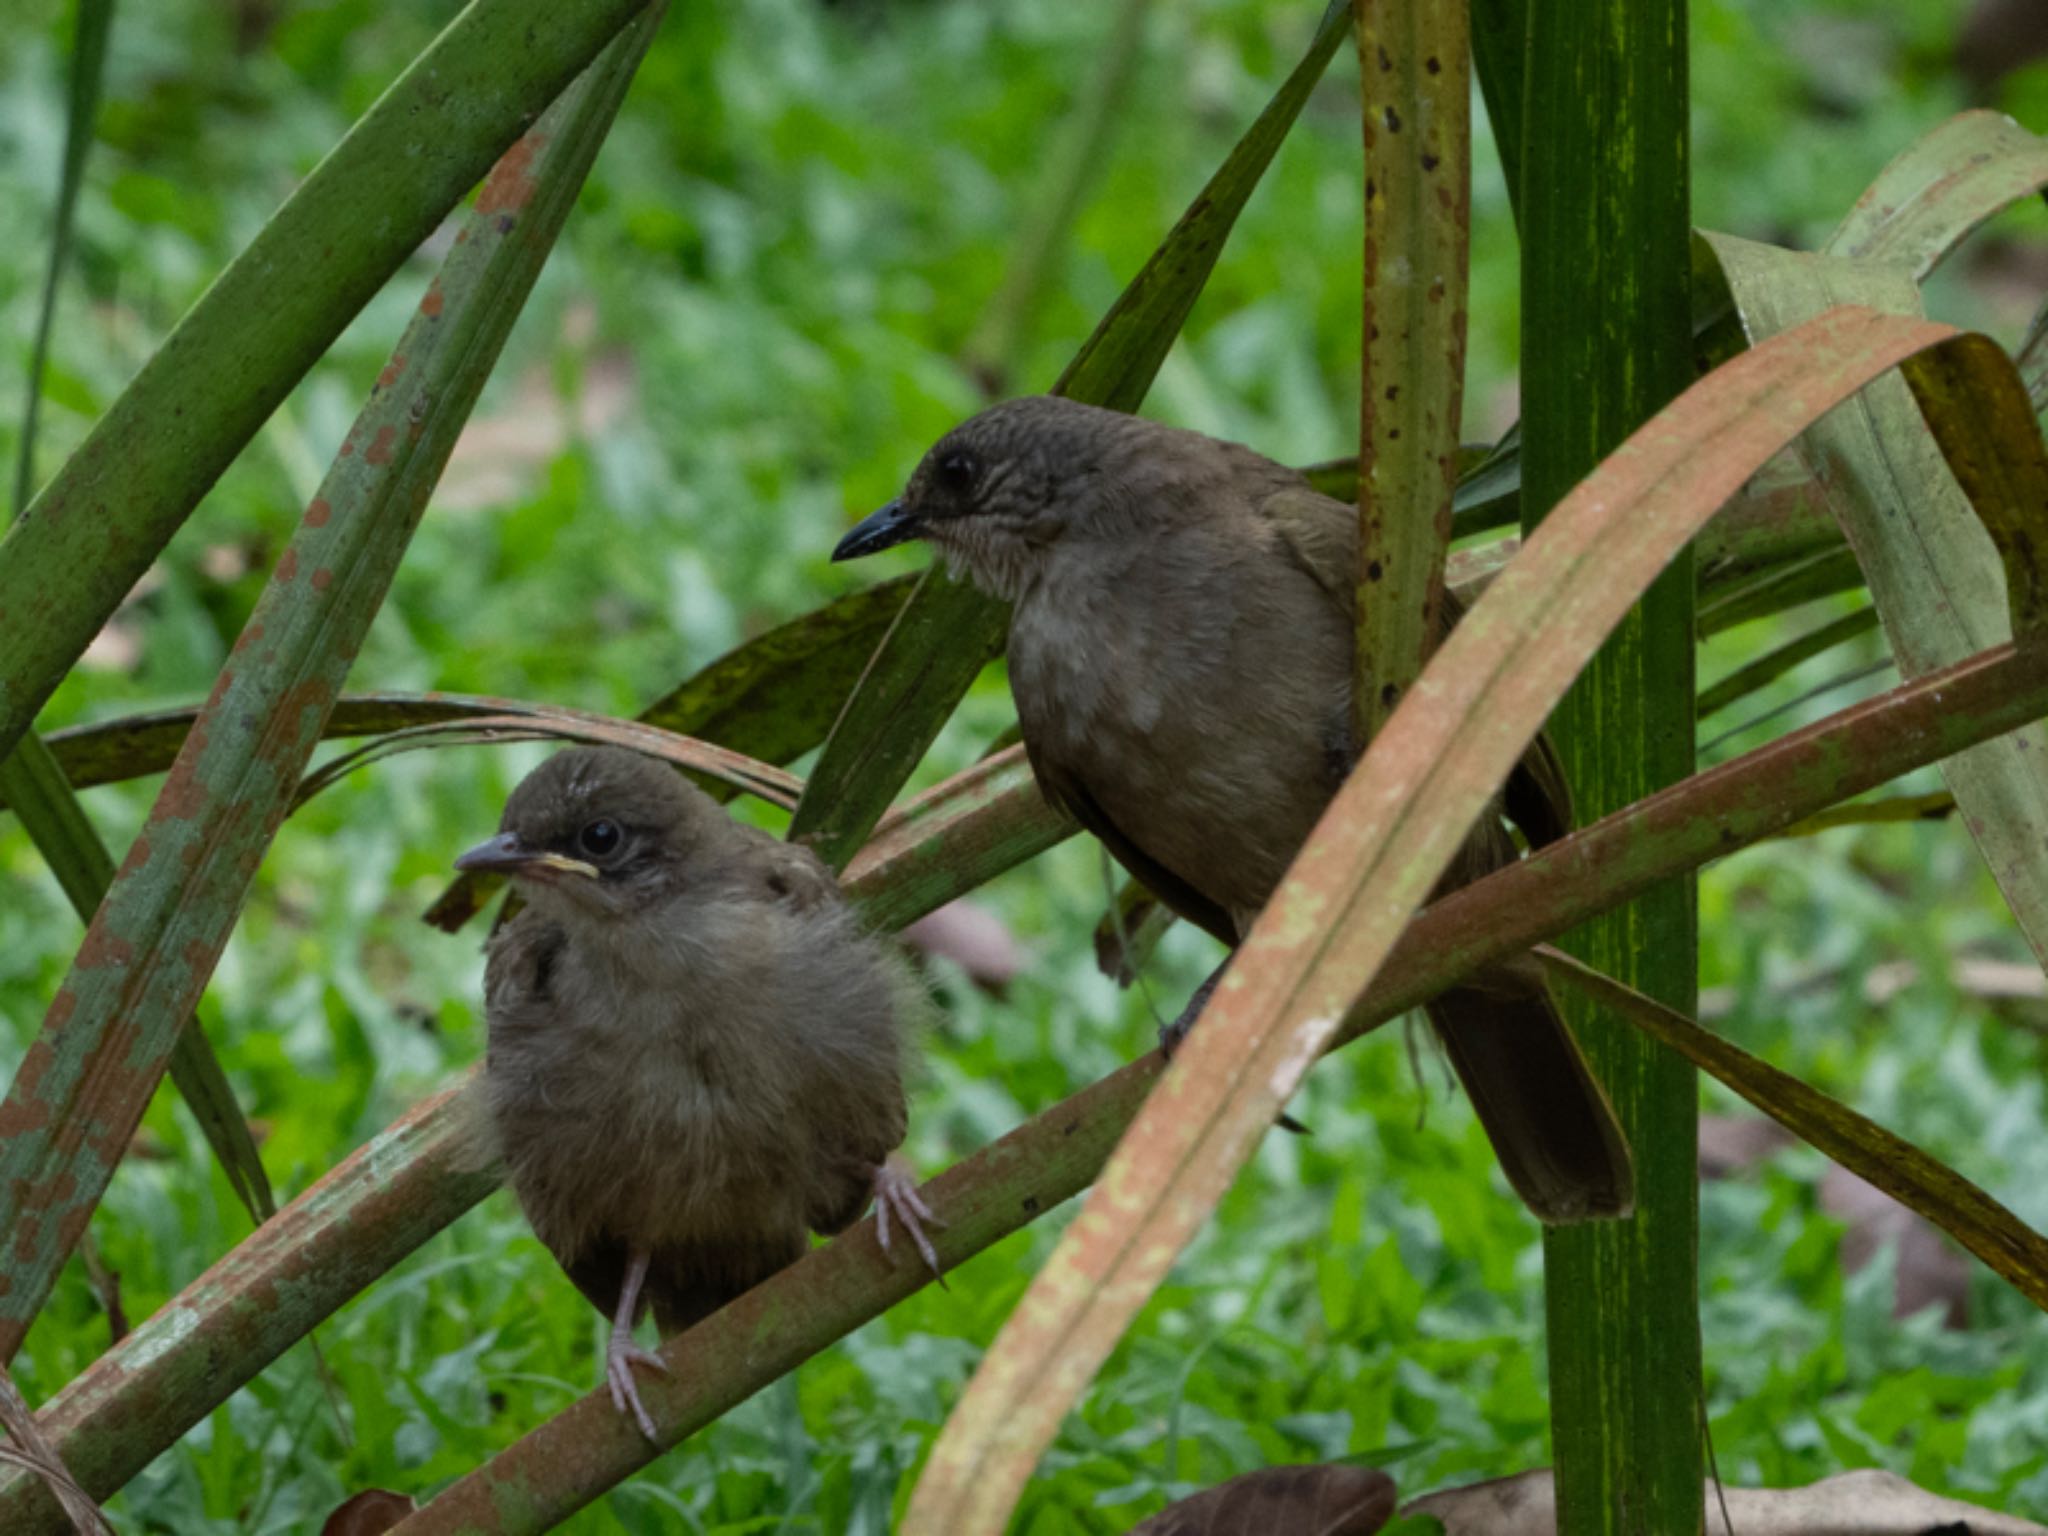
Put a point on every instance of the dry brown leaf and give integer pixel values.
(1732, 1144)
(1864, 1503)
(1929, 1269)
(370, 1513)
(973, 938)
(1328, 1500)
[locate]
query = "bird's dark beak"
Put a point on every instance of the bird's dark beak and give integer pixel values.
(880, 530)
(506, 855)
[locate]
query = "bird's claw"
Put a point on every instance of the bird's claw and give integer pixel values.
(896, 1195)
(620, 1356)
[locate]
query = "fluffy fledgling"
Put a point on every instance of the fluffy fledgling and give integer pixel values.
(1181, 646)
(696, 1052)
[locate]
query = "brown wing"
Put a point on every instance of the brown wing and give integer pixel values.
(1064, 792)
(1543, 1110)
(853, 1133)
(1321, 535)
(793, 873)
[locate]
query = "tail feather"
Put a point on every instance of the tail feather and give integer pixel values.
(1550, 1124)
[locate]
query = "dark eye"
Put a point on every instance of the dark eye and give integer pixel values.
(601, 838)
(957, 471)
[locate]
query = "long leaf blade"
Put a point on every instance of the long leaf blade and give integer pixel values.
(1414, 87)
(154, 941)
(2013, 1250)
(1609, 300)
(1940, 188)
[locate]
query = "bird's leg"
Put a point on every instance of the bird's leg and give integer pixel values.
(1171, 1035)
(621, 1353)
(896, 1195)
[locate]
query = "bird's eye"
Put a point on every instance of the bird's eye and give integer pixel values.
(601, 838)
(957, 471)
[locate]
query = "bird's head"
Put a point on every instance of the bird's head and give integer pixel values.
(996, 493)
(600, 832)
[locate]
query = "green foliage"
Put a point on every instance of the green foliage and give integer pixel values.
(782, 250)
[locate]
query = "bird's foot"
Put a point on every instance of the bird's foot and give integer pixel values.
(621, 1354)
(896, 1196)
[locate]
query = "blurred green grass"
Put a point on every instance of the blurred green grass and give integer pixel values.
(749, 333)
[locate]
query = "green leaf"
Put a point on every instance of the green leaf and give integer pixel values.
(1799, 579)
(1976, 407)
(1611, 303)
(96, 527)
(1935, 574)
(2013, 1250)
(155, 939)
(30, 779)
(1415, 92)
(88, 64)
(1939, 189)
(948, 632)
(1774, 664)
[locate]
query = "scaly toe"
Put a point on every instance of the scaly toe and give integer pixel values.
(626, 1396)
(896, 1195)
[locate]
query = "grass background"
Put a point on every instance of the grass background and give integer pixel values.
(753, 326)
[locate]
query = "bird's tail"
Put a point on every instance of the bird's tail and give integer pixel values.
(1550, 1124)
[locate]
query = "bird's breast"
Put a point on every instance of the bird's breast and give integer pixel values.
(1196, 715)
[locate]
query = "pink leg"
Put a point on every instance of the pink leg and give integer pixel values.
(621, 1353)
(896, 1196)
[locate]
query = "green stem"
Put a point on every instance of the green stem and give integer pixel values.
(1606, 341)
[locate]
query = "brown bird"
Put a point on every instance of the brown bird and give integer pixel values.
(696, 1052)
(1181, 655)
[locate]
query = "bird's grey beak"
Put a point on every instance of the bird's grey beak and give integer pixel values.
(506, 855)
(892, 525)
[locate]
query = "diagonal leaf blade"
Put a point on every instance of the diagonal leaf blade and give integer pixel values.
(2013, 1250)
(154, 941)
(1940, 188)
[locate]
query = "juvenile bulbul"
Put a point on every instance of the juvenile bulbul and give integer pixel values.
(1181, 654)
(696, 1052)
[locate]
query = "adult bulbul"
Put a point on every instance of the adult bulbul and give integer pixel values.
(1181, 653)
